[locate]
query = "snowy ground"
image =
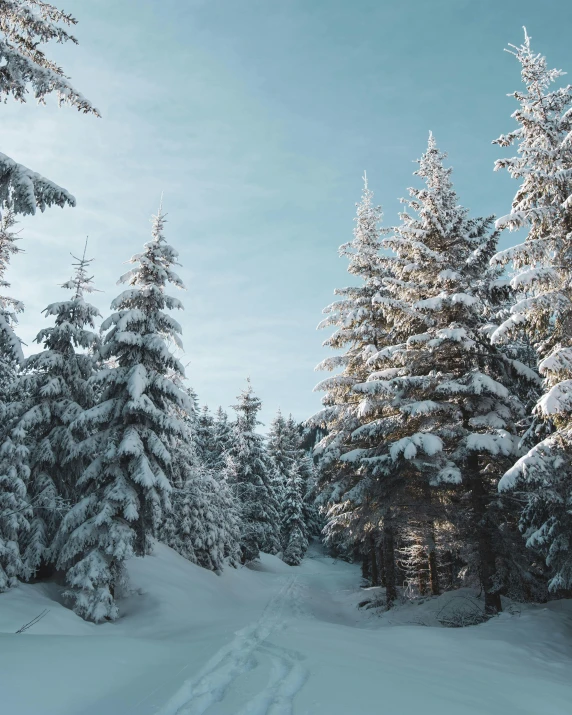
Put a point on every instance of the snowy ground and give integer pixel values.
(275, 641)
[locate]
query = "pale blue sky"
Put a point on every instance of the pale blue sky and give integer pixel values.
(256, 118)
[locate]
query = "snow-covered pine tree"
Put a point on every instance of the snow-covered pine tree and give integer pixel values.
(204, 523)
(447, 401)
(58, 388)
(309, 476)
(15, 511)
(359, 332)
(204, 437)
(11, 356)
(126, 486)
(25, 26)
(543, 279)
(295, 538)
(250, 472)
(281, 454)
(222, 439)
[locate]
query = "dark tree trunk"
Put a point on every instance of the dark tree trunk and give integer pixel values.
(487, 561)
(365, 564)
(422, 575)
(373, 560)
(390, 571)
(430, 540)
(449, 570)
(381, 562)
(433, 568)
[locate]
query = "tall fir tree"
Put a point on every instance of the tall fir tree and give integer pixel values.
(359, 333)
(251, 473)
(204, 522)
(58, 388)
(543, 313)
(222, 439)
(440, 404)
(126, 486)
(205, 437)
(11, 356)
(281, 454)
(295, 537)
(15, 511)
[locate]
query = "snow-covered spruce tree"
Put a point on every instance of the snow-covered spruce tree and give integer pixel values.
(293, 486)
(11, 356)
(125, 487)
(250, 472)
(441, 403)
(58, 388)
(309, 476)
(25, 26)
(204, 437)
(543, 278)
(203, 524)
(222, 439)
(207, 520)
(295, 538)
(281, 454)
(360, 331)
(15, 512)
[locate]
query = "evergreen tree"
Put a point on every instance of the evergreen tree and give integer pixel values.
(543, 313)
(359, 332)
(295, 538)
(203, 524)
(281, 454)
(308, 475)
(11, 356)
(25, 26)
(57, 385)
(205, 438)
(222, 439)
(447, 401)
(251, 472)
(15, 511)
(125, 487)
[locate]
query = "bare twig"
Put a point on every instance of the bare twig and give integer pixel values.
(33, 622)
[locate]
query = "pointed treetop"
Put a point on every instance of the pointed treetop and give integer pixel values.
(81, 282)
(534, 70)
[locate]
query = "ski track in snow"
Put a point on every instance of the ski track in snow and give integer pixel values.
(243, 654)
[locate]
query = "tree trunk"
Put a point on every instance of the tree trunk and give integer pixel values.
(449, 570)
(390, 575)
(487, 561)
(381, 562)
(365, 566)
(433, 570)
(421, 575)
(373, 560)
(430, 541)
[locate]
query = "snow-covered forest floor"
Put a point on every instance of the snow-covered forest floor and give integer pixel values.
(276, 640)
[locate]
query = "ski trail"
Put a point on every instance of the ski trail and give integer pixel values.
(289, 675)
(238, 657)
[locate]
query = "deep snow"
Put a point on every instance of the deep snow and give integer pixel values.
(275, 640)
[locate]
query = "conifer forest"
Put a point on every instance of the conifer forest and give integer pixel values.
(405, 549)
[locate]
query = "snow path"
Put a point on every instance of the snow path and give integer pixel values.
(243, 654)
(275, 640)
